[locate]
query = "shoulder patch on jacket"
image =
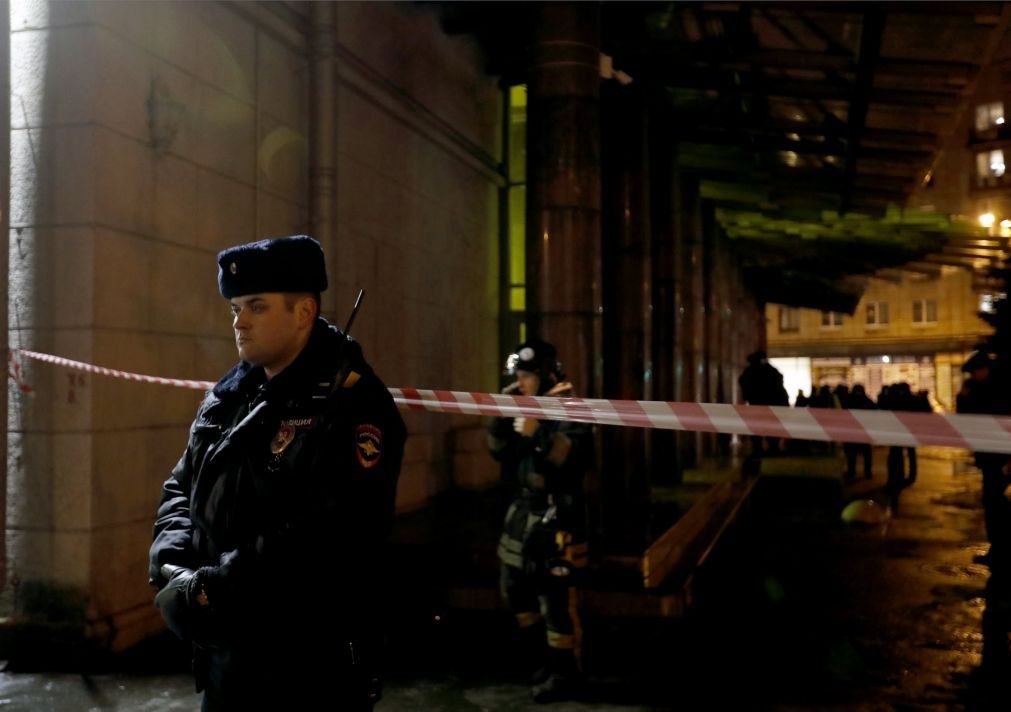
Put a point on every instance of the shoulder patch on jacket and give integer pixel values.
(368, 445)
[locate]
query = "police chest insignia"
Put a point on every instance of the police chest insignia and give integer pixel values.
(368, 445)
(286, 433)
(282, 440)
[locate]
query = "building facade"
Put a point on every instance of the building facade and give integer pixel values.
(917, 329)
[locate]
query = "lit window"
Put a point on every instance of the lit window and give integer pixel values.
(831, 320)
(877, 313)
(990, 166)
(989, 116)
(924, 311)
(512, 324)
(789, 319)
(997, 162)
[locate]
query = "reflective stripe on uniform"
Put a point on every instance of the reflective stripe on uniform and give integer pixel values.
(352, 379)
(561, 641)
(509, 558)
(508, 543)
(528, 618)
(577, 555)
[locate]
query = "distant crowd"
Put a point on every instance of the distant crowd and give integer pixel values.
(762, 384)
(897, 396)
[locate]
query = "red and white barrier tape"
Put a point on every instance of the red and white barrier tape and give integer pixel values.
(879, 427)
(102, 371)
(982, 433)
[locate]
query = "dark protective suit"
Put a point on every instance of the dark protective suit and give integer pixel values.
(543, 543)
(291, 484)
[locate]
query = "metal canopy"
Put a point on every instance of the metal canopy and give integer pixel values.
(849, 93)
(793, 114)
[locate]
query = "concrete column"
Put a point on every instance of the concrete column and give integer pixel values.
(714, 337)
(5, 194)
(563, 189)
(627, 323)
(694, 308)
(323, 125)
(667, 322)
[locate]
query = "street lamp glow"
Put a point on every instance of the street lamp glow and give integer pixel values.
(999, 121)
(987, 219)
(1005, 224)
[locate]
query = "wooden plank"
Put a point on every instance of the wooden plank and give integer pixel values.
(690, 541)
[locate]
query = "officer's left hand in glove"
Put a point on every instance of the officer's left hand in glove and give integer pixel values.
(191, 599)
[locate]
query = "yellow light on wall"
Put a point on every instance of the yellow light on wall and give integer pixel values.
(987, 220)
(1005, 224)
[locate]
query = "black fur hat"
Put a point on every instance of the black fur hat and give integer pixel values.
(280, 264)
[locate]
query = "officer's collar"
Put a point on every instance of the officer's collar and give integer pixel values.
(240, 378)
(318, 359)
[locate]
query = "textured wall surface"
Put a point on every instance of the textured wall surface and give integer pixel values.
(146, 136)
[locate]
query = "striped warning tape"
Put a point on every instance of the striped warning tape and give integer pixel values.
(982, 433)
(102, 371)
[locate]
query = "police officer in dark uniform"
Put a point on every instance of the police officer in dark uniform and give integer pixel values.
(543, 543)
(984, 392)
(268, 543)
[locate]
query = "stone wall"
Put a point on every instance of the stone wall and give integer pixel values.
(417, 217)
(146, 136)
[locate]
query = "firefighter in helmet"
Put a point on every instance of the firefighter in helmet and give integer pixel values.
(543, 544)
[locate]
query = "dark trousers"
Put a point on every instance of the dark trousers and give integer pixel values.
(852, 450)
(897, 465)
(996, 508)
(542, 596)
(896, 475)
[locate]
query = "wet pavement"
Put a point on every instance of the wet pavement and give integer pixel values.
(796, 611)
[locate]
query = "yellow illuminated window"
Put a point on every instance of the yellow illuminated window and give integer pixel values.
(989, 116)
(514, 267)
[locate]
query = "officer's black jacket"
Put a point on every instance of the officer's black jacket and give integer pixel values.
(300, 480)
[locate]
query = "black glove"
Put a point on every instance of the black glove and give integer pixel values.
(218, 584)
(189, 599)
(177, 600)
